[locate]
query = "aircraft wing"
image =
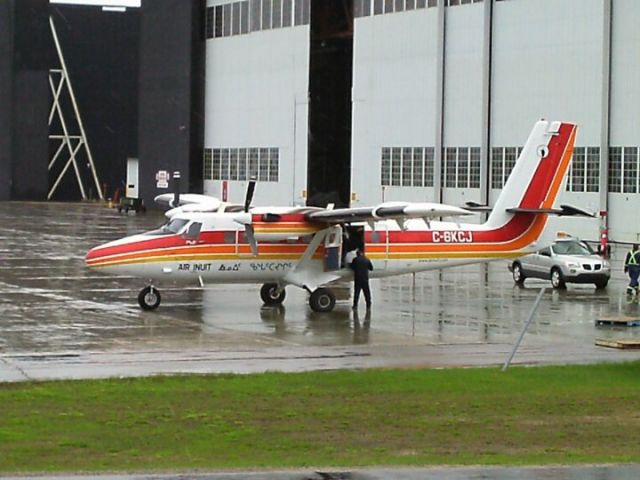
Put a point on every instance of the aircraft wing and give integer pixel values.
(388, 210)
(166, 200)
(188, 202)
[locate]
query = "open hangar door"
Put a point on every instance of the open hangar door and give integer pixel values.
(100, 49)
(330, 82)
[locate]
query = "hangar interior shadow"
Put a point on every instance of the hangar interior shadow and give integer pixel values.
(101, 51)
(330, 82)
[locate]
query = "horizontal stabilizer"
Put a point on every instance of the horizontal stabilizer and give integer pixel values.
(571, 210)
(563, 211)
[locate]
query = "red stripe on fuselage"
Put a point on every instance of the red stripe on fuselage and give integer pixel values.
(162, 241)
(520, 230)
(516, 226)
(169, 243)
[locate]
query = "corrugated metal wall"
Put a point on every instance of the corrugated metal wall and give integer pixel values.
(256, 104)
(444, 96)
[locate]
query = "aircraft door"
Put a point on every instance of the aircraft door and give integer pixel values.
(333, 249)
(352, 239)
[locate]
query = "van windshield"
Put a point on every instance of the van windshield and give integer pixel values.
(171, 227)
(572, 248)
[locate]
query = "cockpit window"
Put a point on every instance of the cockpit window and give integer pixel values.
(175, 225)
(171, 227)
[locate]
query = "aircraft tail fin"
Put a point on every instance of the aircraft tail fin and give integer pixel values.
(536, 179)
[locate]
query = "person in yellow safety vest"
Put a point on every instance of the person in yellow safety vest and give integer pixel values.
(632, 267)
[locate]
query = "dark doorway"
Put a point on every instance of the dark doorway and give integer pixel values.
(101, 54)
(353, 238)
(330, 82)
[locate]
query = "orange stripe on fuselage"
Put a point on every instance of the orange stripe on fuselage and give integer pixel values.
(203, 250)
(188, 250)
(225, 251)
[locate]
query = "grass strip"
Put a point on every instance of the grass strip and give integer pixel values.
(542, 415)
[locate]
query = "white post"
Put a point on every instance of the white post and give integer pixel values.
(524, 329)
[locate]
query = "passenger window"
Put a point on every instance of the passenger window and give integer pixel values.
(229, 237)
(545, 252)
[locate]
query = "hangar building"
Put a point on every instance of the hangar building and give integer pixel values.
(350, 102)
(360, 101)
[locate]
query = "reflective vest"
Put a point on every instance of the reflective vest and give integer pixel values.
(632, 257)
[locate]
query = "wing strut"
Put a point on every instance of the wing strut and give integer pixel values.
(301, 275)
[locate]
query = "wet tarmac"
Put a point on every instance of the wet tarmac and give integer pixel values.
(58, 319)
(597, 472)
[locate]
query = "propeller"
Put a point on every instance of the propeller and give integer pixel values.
(251, 238)
(249, 196)
(246, 219)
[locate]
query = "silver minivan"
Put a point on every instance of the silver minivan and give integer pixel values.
(568, 260)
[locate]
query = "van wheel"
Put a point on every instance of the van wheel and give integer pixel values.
(557, 281)
(518, 274)
(322, 300)
(270, 295)
(602, 284)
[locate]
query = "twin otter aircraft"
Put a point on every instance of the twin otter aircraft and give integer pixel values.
(213, 242)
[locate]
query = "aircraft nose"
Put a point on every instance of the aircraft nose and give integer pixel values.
(107, 254)
(95, 256)
(91, 257)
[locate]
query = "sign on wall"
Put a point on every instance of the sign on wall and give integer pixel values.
(162, 179)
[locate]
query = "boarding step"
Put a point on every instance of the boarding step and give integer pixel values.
(621, 321)
(622, 344)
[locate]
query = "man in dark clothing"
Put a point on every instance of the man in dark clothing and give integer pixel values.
(361, 267)
(632, 267)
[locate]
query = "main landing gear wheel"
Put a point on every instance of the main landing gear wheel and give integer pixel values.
(270, 294)
(322, 300)
(149, 298)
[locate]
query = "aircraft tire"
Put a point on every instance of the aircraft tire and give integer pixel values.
(322, 300)
(149, 298)
(270, 296)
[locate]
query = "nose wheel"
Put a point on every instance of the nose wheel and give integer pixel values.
(149, 298)
(272, 294)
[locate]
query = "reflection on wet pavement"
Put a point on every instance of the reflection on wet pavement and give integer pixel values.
(52, 307)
